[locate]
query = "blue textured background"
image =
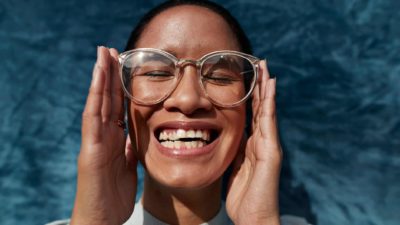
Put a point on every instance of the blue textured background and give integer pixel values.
(338, 70)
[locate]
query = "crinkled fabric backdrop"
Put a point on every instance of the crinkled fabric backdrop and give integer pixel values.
(338, 69)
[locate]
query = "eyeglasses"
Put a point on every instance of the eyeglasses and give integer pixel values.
(149, 75)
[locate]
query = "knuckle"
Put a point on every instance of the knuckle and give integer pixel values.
(94, 91)
(107, 92)
(86, 118)
(102, 68)
(88, 115)
(268, 114)
(85, 115)
(106, 117)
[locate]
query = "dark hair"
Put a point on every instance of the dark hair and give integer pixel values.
(237, 30)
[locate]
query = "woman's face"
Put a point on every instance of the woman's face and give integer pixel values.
(187, 32)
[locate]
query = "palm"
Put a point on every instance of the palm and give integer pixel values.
(254, 183)
(106, 179)
(112, 170)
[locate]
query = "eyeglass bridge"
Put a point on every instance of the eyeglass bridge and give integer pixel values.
(184, 62)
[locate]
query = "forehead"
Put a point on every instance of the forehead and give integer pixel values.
(188, 31)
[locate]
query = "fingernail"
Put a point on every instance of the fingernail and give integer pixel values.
(274, 83)
(98, 54)
(98, 51)
(263, 64)
(272, 87)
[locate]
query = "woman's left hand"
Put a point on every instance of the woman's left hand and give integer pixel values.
(254, 185)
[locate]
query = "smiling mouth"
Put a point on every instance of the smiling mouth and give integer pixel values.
(185, 139)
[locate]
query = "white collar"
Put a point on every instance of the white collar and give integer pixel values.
(142, 217)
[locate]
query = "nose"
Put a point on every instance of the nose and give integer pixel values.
(188, 97)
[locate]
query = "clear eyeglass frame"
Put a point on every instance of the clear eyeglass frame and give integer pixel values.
(180, 63)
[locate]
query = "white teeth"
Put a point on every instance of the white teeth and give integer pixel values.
(199, 134)
(170, 138)
(174, 135)
(180, 133)
(177, 144)
(183, 144)
(204, 136)
(162, 136)
(191, 134)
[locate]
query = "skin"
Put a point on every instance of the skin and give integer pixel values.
(107, 162)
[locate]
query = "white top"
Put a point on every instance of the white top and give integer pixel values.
(141, 217)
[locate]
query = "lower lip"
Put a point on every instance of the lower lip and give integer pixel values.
(186, 153)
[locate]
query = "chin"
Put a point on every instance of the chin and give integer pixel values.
(183, 176)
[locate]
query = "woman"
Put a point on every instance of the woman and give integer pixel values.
(186, 116)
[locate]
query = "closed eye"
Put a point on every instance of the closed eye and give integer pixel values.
(156, 75)
(219, 78)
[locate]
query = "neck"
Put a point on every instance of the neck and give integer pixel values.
(181, 206)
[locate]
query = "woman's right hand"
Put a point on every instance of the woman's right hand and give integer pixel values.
(107, 177)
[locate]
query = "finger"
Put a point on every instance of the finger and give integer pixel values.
(256, 98)
(264, 79)
(104, 64)
(268, 107)
(92, 111)
(95, 96)
(268, 112)
(265, 68)
(255, 104)
(117, 96)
